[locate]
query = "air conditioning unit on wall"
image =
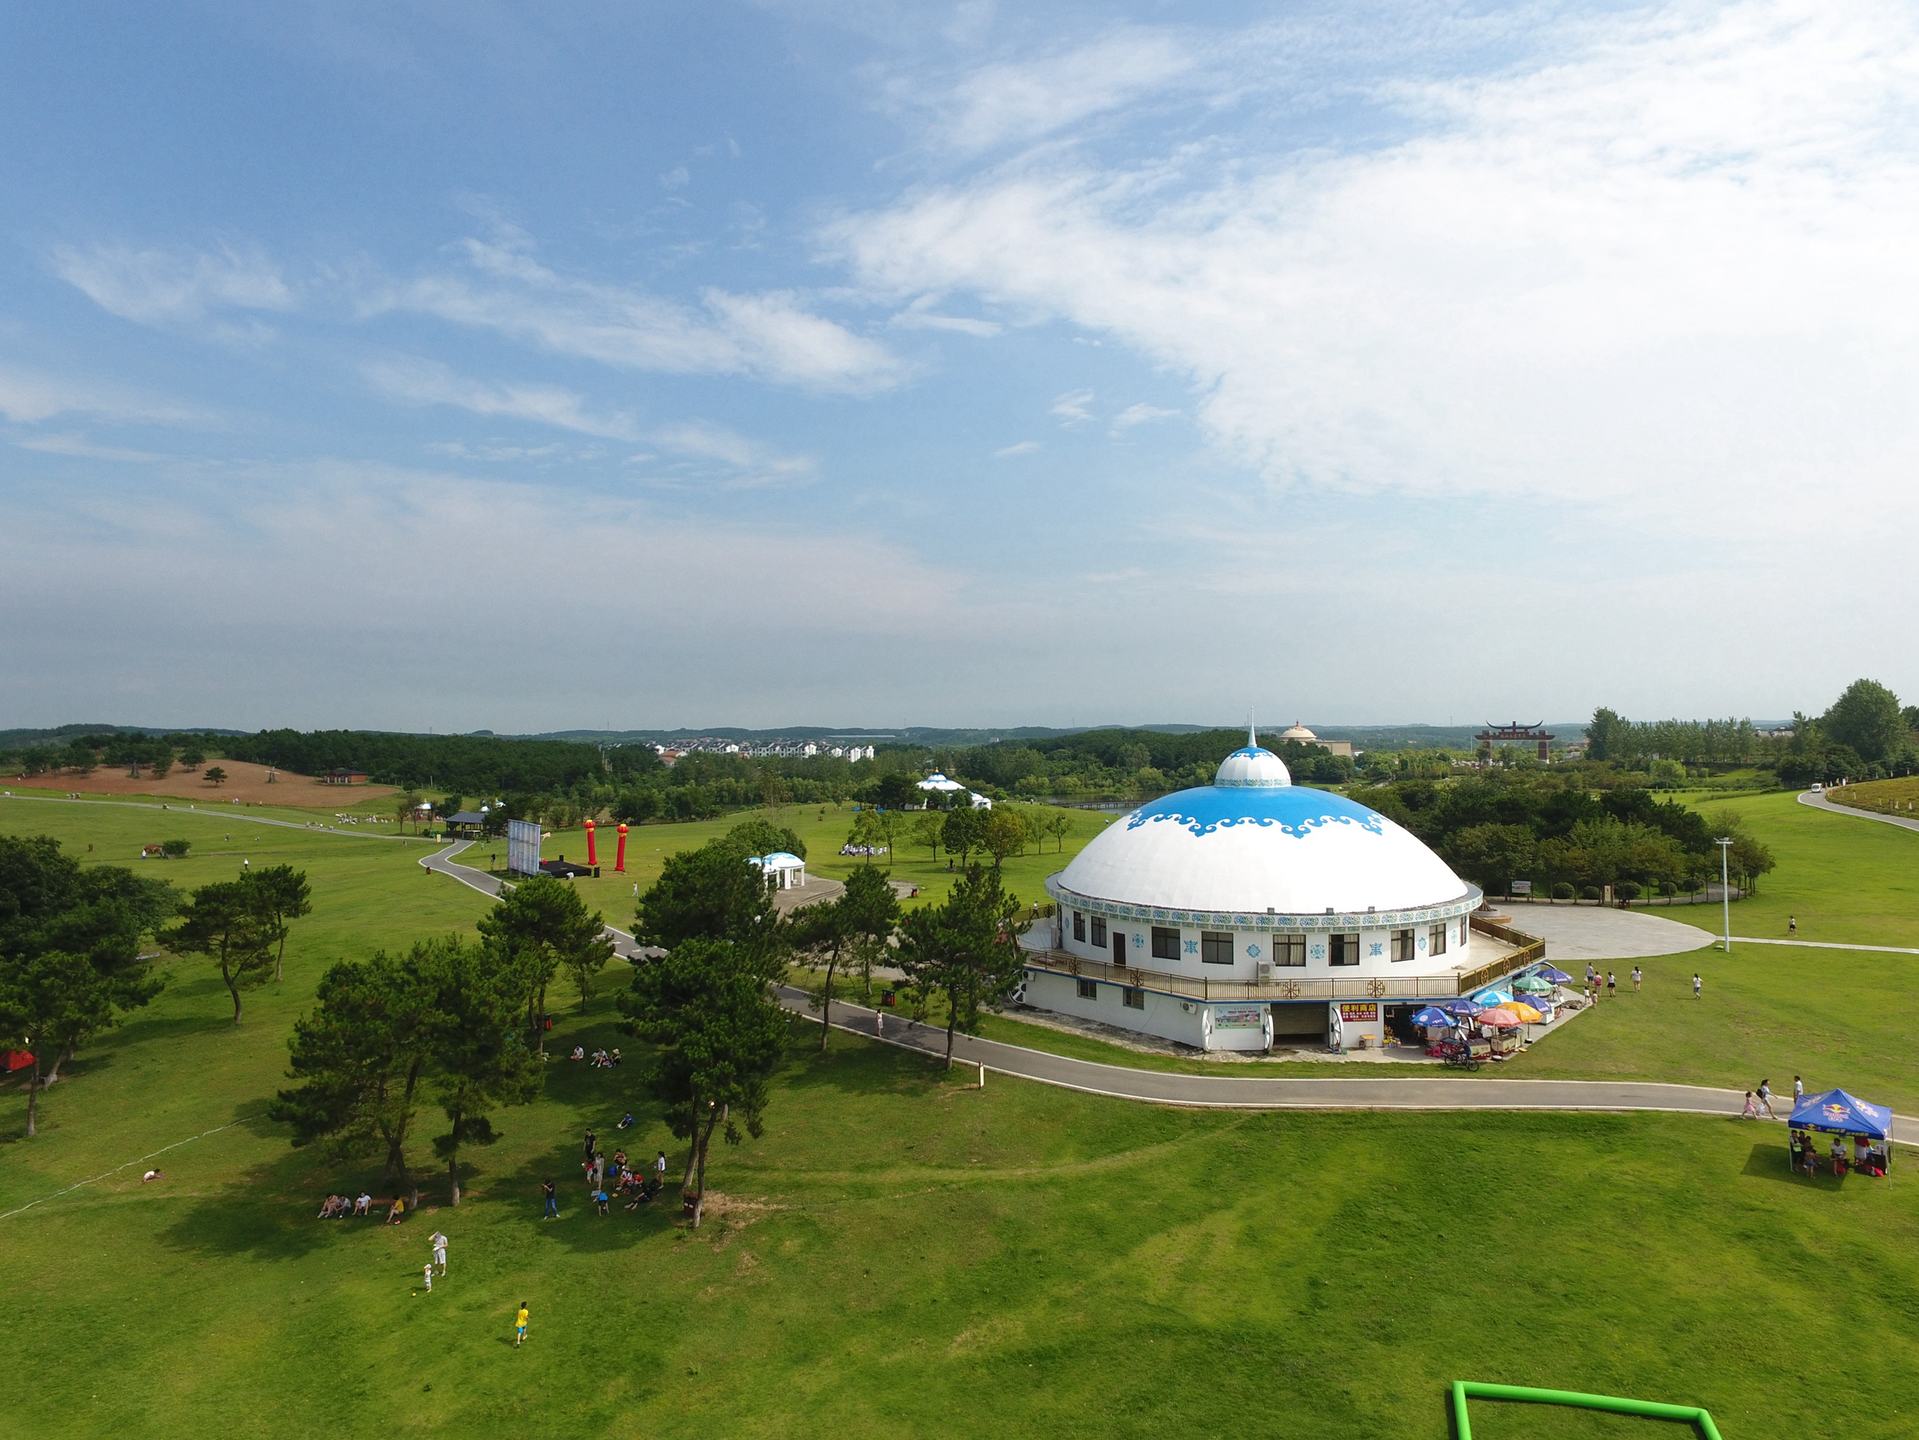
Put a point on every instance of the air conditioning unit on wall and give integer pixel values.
(1265, 969)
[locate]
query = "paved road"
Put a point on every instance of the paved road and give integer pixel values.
(1232, 1092)
(1820, 802)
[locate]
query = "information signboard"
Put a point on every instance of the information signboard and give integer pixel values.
(1358, 1011)
(523, 847)
(1238, 1017)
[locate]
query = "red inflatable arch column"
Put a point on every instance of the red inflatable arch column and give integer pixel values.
(619, 858)
(592, 857)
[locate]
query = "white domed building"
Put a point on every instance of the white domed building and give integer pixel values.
(1252, 911)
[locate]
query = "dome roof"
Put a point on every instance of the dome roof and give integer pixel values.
(1252, 765)
(1244, 849)
(1298, 732)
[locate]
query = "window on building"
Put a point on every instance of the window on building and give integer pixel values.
(1345, 949)
(1089, 989)
(1099, 931)
(1079, 924)
(1134, 997)
(1402, 945)
(1165, 943)
(1216, 947)
(1289, 949)
(1437, 940)
(1462, 930)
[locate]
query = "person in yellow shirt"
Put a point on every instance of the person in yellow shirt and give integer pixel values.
(519, 1327)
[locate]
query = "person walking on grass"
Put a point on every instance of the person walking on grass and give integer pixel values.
(1612, 984)
(439, 1251)
(1696, 984)
(426, 1276)
(552, 1194)
(1764, 1092)
(659, 1167)
(1637, 976)
(519, 1326)
(1798, 1092)
(1792, 925)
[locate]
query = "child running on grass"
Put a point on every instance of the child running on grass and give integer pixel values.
(519, 1327)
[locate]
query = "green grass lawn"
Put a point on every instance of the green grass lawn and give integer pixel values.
(821, 828)
(901, 1255)
(1844, 878)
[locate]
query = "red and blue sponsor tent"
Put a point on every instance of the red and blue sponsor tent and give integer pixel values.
(1838, 1113)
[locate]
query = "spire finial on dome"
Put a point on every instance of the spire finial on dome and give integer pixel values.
(1252, 734)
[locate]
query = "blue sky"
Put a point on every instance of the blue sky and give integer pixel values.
(465, 365)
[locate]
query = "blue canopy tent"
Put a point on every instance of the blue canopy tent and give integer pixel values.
(1837, 1113)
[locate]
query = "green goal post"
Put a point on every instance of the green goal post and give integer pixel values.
(1464, 1390)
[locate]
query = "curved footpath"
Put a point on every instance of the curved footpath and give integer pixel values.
(1820, 802)
(1233, 1092)
(1159, 1087)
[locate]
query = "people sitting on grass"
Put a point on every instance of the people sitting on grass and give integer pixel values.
(626, 1121)
(364, 1205)
(397, 1211)
(616, 1055)
(335, 1207)
(579, 1053)
(642, 1191)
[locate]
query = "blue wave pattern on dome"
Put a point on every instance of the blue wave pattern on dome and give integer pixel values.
(1296, 810)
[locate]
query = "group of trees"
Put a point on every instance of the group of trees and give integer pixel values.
(1865, 734)
(1122, 763)
(241, 925)
(453, 1023)
(708, 1004)
(71, 959)
(1549, 827)
(83, 753)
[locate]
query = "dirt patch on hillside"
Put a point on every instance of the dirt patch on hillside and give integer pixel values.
(245, 781)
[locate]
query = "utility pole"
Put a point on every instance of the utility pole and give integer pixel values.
(1725, 889)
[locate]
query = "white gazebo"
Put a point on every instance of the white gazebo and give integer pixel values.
(782, 868)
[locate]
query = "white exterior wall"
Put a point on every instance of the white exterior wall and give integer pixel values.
(1186, 1021)
(1245, 966)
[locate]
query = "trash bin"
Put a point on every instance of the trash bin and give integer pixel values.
(887, 997)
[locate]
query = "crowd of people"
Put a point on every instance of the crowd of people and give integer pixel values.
(610, 1179)
(343, 1207)
(599, 1059)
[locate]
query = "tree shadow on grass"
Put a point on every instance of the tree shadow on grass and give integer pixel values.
(269, 1215)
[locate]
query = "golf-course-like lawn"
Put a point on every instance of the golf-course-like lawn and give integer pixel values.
(905, 1255)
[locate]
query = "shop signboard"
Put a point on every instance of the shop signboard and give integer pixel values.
(1522, 887)
(1358, 1012)
(1238, 1017)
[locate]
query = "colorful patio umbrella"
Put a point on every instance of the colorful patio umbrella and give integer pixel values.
(1431, 1015)
(1549, 972)
(1463, 1007)
(1498, 1018)
(1525, 1012)
(1532, 984)
(1493, 997)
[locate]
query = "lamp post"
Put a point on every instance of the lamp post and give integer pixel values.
(1725, 889)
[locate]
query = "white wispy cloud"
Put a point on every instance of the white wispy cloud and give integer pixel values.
(414, 381)
(1075, 407)
(1016, 101)
(1140, 414)
(920, 315)
(771, 335)
(411, 380)
(28, 397)
(81, 448)
(1018, 447)
(1670, 264)
(178, 287)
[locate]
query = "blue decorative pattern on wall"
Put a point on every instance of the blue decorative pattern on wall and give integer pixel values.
(1227, 920)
